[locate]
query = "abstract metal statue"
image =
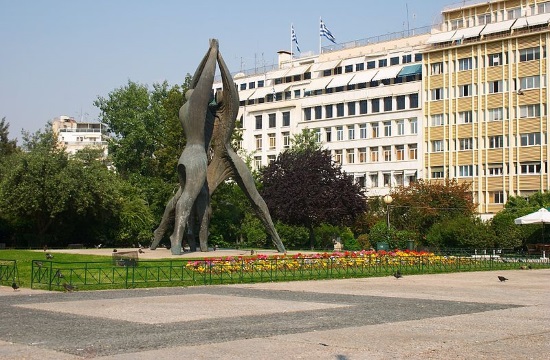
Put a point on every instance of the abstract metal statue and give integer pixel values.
(209, 128)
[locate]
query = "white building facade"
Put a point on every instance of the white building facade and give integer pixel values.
(74, 135)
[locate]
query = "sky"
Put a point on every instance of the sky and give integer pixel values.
(57, 57)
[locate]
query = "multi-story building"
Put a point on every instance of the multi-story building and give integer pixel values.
(485, 100)
(362, 101)
(74, 135)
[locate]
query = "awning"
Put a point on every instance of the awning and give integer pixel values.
(262, 92)
(387, 73)
(277, 73)
(467, 33)
(410, 70)
(341, 80)
(245, 94)
(318, 84)
(297, 70)
(325, 65)
(498, 27)
(363, 76)
(534, 20)
(353, 61)
(441, 37)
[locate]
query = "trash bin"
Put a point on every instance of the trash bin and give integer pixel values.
(410, 244)
(382, 246)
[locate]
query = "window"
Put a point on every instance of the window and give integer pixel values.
(338, 156)
(258, 139)
(328, 111)
(438, 120)
(272, 142)
(436, 68)
(388, 103)
(286, 139)
(257, 162)
(457, 24)
(413, 151)
(307, 114)
(529, 82)
(496, 86)
(530, 139)
(496, 142)
(271, 158)
(339, 133)
(484, 19)
(272, 120)
(243, 86)
(413, 101)
(465, 64)
(374, 154)
(387, 153)
(466, 170)
(373, 180)
(382, 62)
(363, 131)
(387, 128)
(437, 172)
(318, 112)
(527, 111)
(414, 125)
(363, 107)
(371, 64)
(260, 83)
(437, 94)
(400, 127)
(495, 114)
(465, 117)
(297, 94)
(360, 67)
(437, 145)
(544, 8)
(405, 59)
(351, 108)
(399, 152)
(340, 109)
(386, 179)
(495, 59)
(400, 102)
(328, 134)
(348, 68)
(394, 60)
(286, 118)
(351, 132)
(375, 130)
(417, 57)
(465, 90)
(317, 135)
(529, 54)
(258, 122)
(530, 168)
(498, 197)
(350, 156)
(362, 155)
(251, 85)
(465, 144)
(514, 13)
(495, 170)
(375, 103)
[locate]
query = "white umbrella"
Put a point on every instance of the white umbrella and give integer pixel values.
(541, 216)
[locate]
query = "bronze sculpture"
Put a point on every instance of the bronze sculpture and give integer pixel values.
(216, 127)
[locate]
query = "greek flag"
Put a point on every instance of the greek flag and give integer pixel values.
(294, 38)
(326, 32)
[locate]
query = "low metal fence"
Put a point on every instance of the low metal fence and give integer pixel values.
(8, 272)
(53, 275)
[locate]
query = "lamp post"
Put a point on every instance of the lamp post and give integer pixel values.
(388, 200)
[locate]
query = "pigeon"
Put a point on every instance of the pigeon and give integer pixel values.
(140, 251)
(529, 267)
(38, 263)
(68, 287)
(14, 286)
(45, 247)
(397, 274)
(49, 256)
(59, 274)
(114, 250)
(98, 246)
(502, 278)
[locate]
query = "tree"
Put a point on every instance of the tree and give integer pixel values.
(461, 231)
(7, 146)
(305, 187)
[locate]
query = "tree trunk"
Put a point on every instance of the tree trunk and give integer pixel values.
(311, 237)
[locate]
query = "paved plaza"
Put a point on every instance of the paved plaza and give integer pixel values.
(445, 316)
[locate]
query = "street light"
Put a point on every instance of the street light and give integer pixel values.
(388, 200)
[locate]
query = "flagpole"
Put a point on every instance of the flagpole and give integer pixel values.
(291, 46)
(320, 37)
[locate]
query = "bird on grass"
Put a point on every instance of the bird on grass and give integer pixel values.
(68, 287)
(38, 263)
(502, 278)
(14, 286)
(49, 256)
(397, 274)
(59, 274)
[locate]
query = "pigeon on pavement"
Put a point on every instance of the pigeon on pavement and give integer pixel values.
(502, 278)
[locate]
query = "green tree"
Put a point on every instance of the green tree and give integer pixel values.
(461, 231)
(7, 146)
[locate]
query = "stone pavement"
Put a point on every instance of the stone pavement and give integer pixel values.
(444, 316)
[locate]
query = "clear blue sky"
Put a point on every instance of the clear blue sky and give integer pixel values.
(57, 57)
